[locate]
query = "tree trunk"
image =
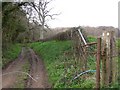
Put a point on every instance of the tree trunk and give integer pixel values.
(42, 32)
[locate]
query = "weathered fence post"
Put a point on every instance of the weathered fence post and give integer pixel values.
(107, 58)
(112, 60)
(98, 63)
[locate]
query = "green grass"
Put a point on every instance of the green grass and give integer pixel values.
(91, 57)
(11, 54)
(118, 48)
(52, 49)
(91, 39)
(52, 53)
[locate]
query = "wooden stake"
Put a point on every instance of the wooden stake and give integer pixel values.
(98, 63)
(107, 58)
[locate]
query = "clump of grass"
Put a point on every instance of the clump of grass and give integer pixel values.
(91, 39)
(88, 84)
(10, 54)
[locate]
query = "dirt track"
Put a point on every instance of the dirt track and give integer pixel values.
(37, 71)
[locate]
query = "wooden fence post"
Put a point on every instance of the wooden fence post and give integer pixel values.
(113, 53)
(98, 63)
(107, 58)
(111, 58)
(103, 58)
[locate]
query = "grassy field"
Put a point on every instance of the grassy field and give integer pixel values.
(10, 54)
(52, 52)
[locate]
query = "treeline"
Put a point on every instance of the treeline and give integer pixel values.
(13, 23)
(16, 25)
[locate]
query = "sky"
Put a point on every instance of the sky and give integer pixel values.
(84, 13)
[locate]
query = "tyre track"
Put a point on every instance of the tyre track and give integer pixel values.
(38, 72)
(9, 80)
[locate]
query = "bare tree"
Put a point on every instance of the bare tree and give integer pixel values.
(41, 14)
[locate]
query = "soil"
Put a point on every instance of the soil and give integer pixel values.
(37, 71)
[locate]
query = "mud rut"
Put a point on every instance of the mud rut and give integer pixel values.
(37, 71)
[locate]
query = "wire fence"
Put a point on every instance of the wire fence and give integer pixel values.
(89, 57)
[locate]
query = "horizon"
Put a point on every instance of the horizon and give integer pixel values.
(85, 26)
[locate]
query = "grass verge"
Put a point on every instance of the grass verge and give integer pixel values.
(54, 56)
(52, 53)
(10, 54)
(61, 68)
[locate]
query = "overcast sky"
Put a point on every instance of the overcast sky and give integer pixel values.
(85, 13)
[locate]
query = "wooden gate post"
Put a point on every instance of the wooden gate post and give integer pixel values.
(113, 52)
(98, 63)
(107, 60)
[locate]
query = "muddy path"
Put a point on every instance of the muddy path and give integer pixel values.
(9, 73)
(37, 71)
